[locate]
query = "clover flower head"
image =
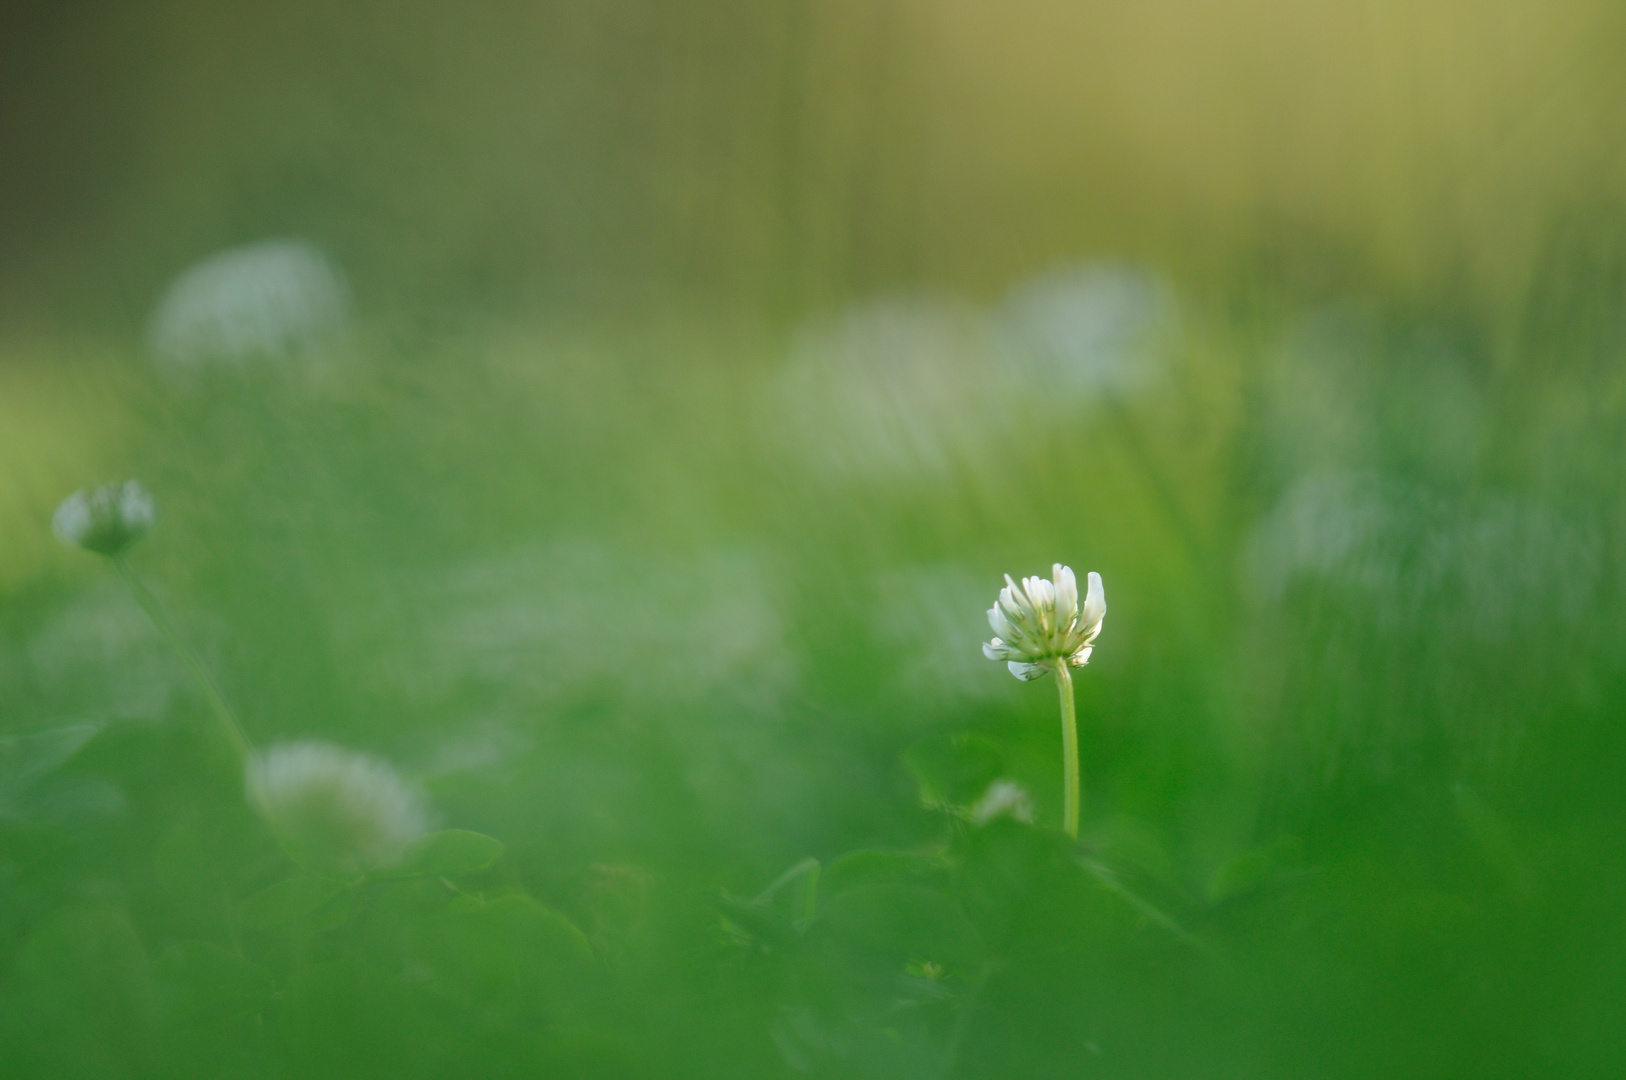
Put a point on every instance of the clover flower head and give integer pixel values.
(1040, 622)
(335, 809)
(107, 519)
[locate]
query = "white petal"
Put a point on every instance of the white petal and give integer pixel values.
(1042, 595)
(136, 508)
(1081, 657)
(1003, 627)
(998, 650)
(1015, 591)
(1026, 672)
(1066, 594)
(1095, 602)
(1014, 601)
(72, 519)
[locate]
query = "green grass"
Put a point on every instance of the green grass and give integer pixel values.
(645, 515)
(1346, 741)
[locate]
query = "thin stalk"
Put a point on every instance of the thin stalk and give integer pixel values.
(189, 659)
(1069, 749)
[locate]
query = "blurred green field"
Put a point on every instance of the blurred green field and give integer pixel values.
(618, 417)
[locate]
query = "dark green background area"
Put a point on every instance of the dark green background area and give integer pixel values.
(645, 510)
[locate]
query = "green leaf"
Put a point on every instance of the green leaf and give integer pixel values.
(894, 925)
(186, 861)
(859, 868)
(1129, 844)
(523, 922)
(511, 953)
(289, 901)
(800, 884)
(1252, 870)
(451, 851)
(80, 997)
(757, 920)
(953, 770)
(70, 800)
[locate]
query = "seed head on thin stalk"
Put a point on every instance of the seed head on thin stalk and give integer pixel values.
(106, 521)
(1040, 626)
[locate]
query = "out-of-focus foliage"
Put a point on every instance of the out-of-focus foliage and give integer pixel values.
(591, 434)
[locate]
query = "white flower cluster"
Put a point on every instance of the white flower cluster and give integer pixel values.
(337, 810)
(1040, 622)
(107, 519)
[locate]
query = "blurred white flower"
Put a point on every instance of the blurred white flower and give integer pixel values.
(337, 810)
(1085, 328)
(1040, 621)
(105, 520)
(1004, 798)
(266, 299)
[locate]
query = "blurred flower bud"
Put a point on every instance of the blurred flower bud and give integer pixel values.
(107, 519)
(336, 810)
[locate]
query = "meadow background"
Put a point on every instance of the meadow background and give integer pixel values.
(628, 435)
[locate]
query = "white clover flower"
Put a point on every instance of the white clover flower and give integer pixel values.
(337, 810)
(1040, 622)
(264, 300)
(107, 519)
(1040, 627)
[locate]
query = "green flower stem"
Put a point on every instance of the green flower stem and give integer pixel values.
(1069, 749)
(217, 702)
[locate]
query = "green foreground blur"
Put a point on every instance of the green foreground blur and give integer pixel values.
(586, 439)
